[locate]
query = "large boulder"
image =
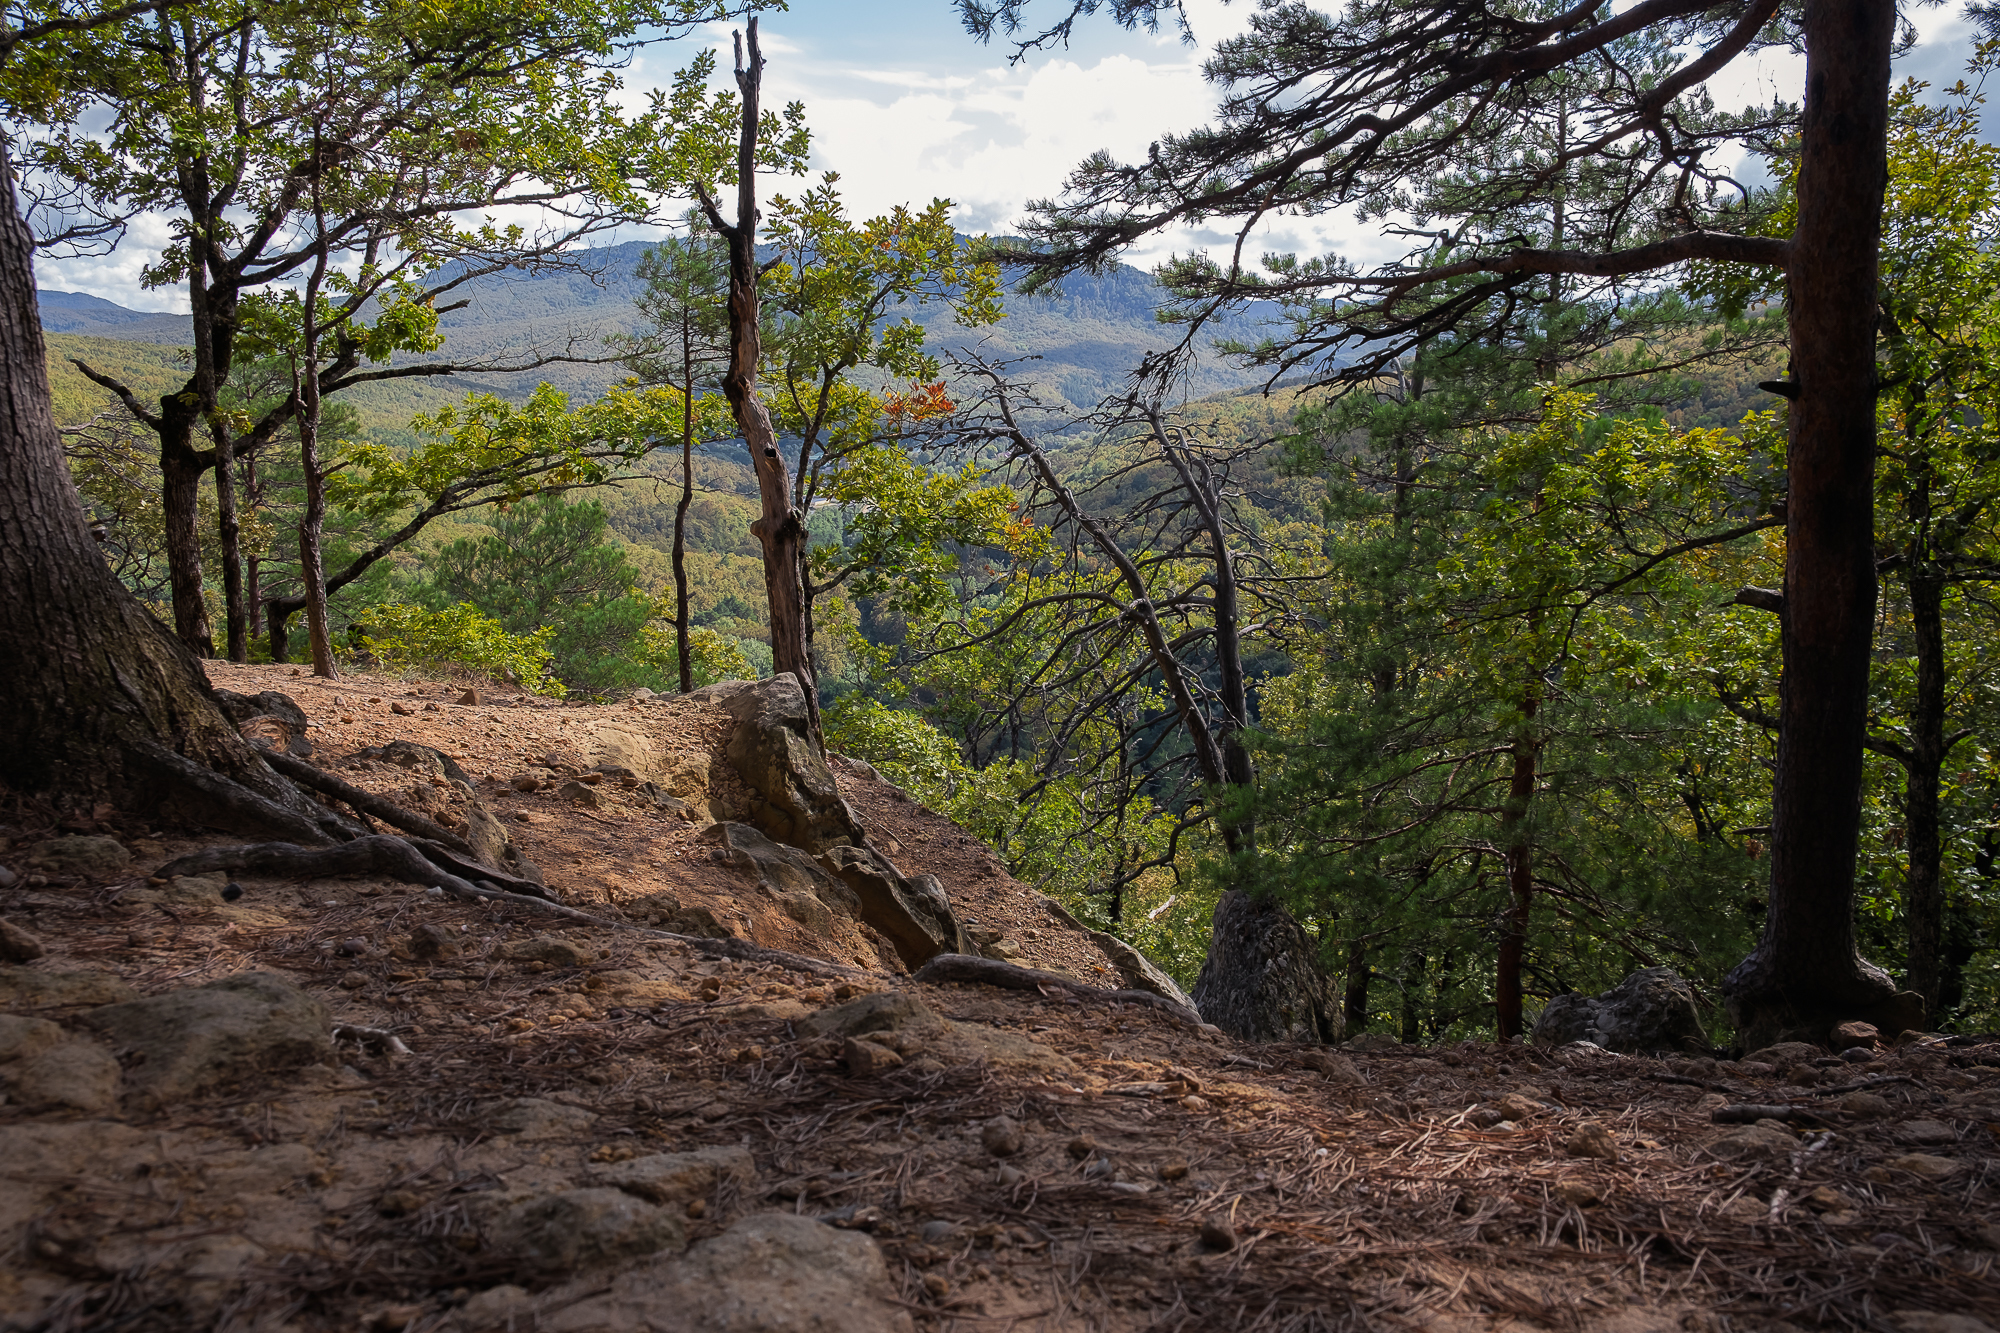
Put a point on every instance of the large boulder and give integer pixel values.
(1261, 980)
(793, 798)
(269, 719)
(180, 1043)
(806, 893)
(1650, 1011)
(913, 912)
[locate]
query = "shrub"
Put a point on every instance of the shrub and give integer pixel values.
(404, 635)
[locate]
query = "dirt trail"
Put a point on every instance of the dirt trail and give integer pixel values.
(1006, 1160)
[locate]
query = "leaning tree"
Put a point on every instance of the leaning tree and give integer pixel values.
(1435, 116)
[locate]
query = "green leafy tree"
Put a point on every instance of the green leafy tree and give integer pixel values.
(384, 136)
(549, 566)
(1499, 719)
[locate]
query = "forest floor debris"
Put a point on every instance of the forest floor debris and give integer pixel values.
(523, 1121)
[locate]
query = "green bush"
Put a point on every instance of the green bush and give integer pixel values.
(404, 635)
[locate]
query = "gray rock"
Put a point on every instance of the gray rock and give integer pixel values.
(187, 1040)
(1753, 1141)
(1373, 1041)
(806, 893)
(1786, 1054)
(18, 944)
(676, 1177)
(33, 988)
(793, 797)
(1136, 970)
(1651, 1010)
(268, 719)
(1261, 980)
(422, 760)
(577, 793)
(90, 858)
(557, 1233)
(536, 1118)
(8, 879)
(914, 913)
(22, 1037)
(1928, 1133)
(81, 1075)
(769, 1273)
(884, 1011)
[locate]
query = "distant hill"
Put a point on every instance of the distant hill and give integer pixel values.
(1087, 336)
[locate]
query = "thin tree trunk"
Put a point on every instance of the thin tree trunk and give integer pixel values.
(1518, 839)
(1354, 1002)
(312, 572)
(1923, 891)
(181, 471)
(1805, 973)
(779, 529)
(681, 511)
(229, 532)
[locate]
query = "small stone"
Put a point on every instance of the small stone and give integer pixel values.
(1578, 1193)
(1754, 1141)
(18, 945)
(1744, 1209)
(560, 1232)
(937, 1285)
(231, 892)
(21, 1037)
(1217, 1236)
(1802, 1075)
(536, 1118)
(1857, 1055)
(1192, 1103)
(1592, 1141)
(576, 793)
(1855, 1034)
(81, 1075)
(472, 698)
(938, 1231)
(1864, 1106)
(1925, 1166)
(430, 941)
(1933, 1321)
(1081, 1146)
(551, 949)
(95, 858)
(525, 782)
(353, 980)
(8, 879)
(1010, 1176)
(1174, 1168)
(1002, 1136)
(353, 947)
(402, 709)
(399, 1203)
(1929, 1133)
(1827, 1199)
(672, 1177)
(866, 1059)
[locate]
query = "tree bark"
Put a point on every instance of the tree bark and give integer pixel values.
(95, 685)
(312, 525)
(1805, 974)
(780, 530)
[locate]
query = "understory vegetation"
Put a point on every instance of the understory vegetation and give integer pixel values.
(1468, 654)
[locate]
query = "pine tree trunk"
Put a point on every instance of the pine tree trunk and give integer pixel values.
(1805, 974)
(91, 676)
(229, 531)
(1518, 840)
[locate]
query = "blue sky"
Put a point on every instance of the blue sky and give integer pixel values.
(906, 106)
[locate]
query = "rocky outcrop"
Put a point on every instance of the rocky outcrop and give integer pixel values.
(1649, 1011)
(186, 1041)
(1134, 968)
(806, 893)
(769, 1273)
(793, 798)
(1261, 981)
(267, 718)
(84, 858)
(914, 912)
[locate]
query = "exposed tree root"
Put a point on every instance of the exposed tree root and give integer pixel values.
(393, 858)
(366, 802)
(229, 797)
(990, 972)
